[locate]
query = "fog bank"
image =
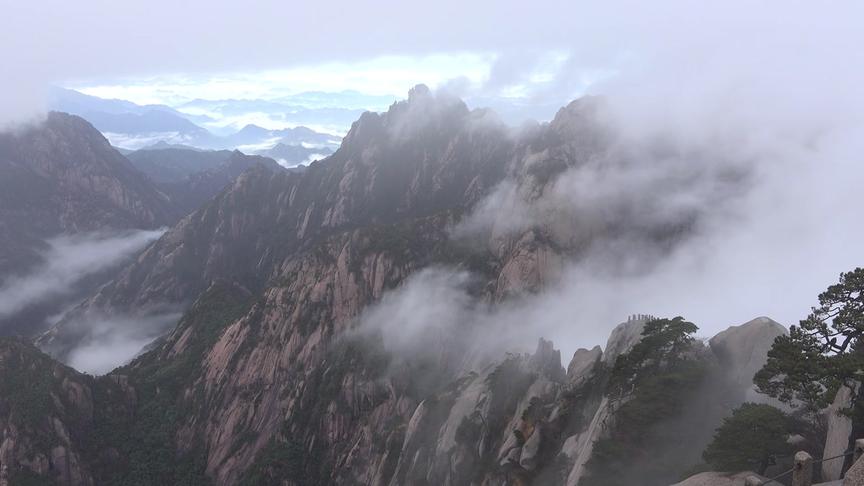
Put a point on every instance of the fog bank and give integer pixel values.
(69, 259)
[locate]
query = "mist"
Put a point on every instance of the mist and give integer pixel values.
(750, 137)
(769, 225)
(69, 259)
(111, 341)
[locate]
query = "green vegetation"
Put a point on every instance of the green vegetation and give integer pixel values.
(804, 370)
(661, 348)
(749, 439)
(148, 443)
(26, 385)
(285, 458)
(824, 351)
(281, 459)
(651, 383)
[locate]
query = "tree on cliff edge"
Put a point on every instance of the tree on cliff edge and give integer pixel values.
(824, 351)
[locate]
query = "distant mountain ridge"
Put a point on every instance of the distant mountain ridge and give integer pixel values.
(299, 136)
(121, 116)
(193, 190)
(133, 126)
(173, 164)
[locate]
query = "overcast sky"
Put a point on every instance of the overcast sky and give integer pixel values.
(542, 49)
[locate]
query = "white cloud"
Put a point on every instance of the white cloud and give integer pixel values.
(115, 340)
(234, 38)
(774, 93)
(68, 260)
(387, 75)
(135, 142)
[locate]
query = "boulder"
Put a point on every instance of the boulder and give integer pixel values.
(743, 350)
(719, 479)
(855, 474)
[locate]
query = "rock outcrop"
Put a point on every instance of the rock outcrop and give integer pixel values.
(839, 431)
(50, 417)
(719, 479)
(743, 350)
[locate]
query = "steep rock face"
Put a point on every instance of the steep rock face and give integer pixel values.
(61, 175)
(424, 157)
(839, 430)
(301, 405)
(623, 337)
(52, 419)
(276, 348)
(583, 363)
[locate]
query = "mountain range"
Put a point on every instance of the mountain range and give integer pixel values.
(132, 126)
(372, 318)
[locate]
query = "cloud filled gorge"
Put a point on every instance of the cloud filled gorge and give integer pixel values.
(110, 341)
(68, 260)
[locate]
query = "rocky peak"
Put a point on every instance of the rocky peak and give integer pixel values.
(71, 163)
(743, 350)
(239, 162)
(547, 360)
(582, 364)
(624, 337)
(418, 91)
(579, 123)
(252, 129)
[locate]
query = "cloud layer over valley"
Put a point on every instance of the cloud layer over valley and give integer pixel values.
(69, 259)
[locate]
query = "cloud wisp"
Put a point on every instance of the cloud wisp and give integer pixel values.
(68, 260)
